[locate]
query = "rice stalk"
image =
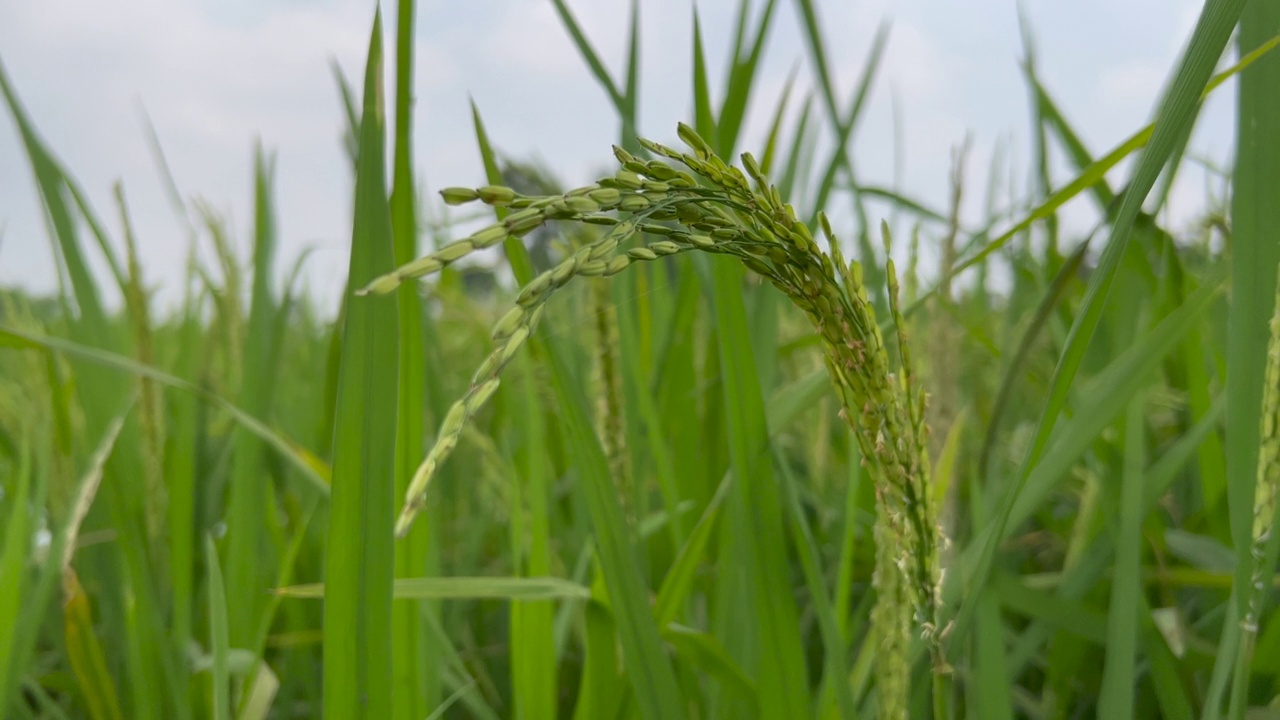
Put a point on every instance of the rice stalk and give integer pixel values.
(717, 210)
(150, 411)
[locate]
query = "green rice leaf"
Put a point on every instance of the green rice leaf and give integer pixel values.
(360, 554)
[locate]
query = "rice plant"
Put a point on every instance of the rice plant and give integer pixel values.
(716, 210)
(669, 455)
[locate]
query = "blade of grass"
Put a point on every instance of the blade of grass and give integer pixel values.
(836, 670)
(589, 55)
(1040, 109)
(219, 635)
(818, 54)
(533, 652)
(902, 201)
(416, 674)
(1254, 256)
(706, 653)
(13, 571)
(846, 124)
(796, 167)
(770, 152)
(678, 582)
(631, 93)
(360, 553)
(351, 134)
(781, 672)
(465, 588)
(84, 650)
(1116, 698)
(704, 119)
(741, 80)
(599, 690)
(246, 539)
(992, 691)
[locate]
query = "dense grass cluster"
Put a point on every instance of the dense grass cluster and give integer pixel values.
(694, 462)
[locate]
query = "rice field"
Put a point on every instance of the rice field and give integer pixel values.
(692, 441)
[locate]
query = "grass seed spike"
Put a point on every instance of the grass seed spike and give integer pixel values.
(717, 208)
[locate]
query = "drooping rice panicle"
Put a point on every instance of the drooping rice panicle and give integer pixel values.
(716, 209)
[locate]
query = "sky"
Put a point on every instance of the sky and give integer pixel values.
(217, 76)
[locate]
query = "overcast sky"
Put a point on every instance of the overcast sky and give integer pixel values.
(214, 75)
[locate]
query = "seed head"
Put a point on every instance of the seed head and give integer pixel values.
(459, 195)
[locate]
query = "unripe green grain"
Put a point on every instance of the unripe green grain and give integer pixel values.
(628, 180)
(561, 273)
(689, 213)
(513, 344)
(508, 323)
(559, 209)
(489, 237)
(582, 205)
(604, 248)
(459, 195)
(753, 169)
(453, 419)
(622, 155)
(695, 141)
(592, 267)
(482, 395)
(633, 203)
(496, 195)
(607, 197)
(381, 286)
(656, 229)
(534, 290)
(617, 265)
(420, 267)
(757, 267)
(487, 369)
